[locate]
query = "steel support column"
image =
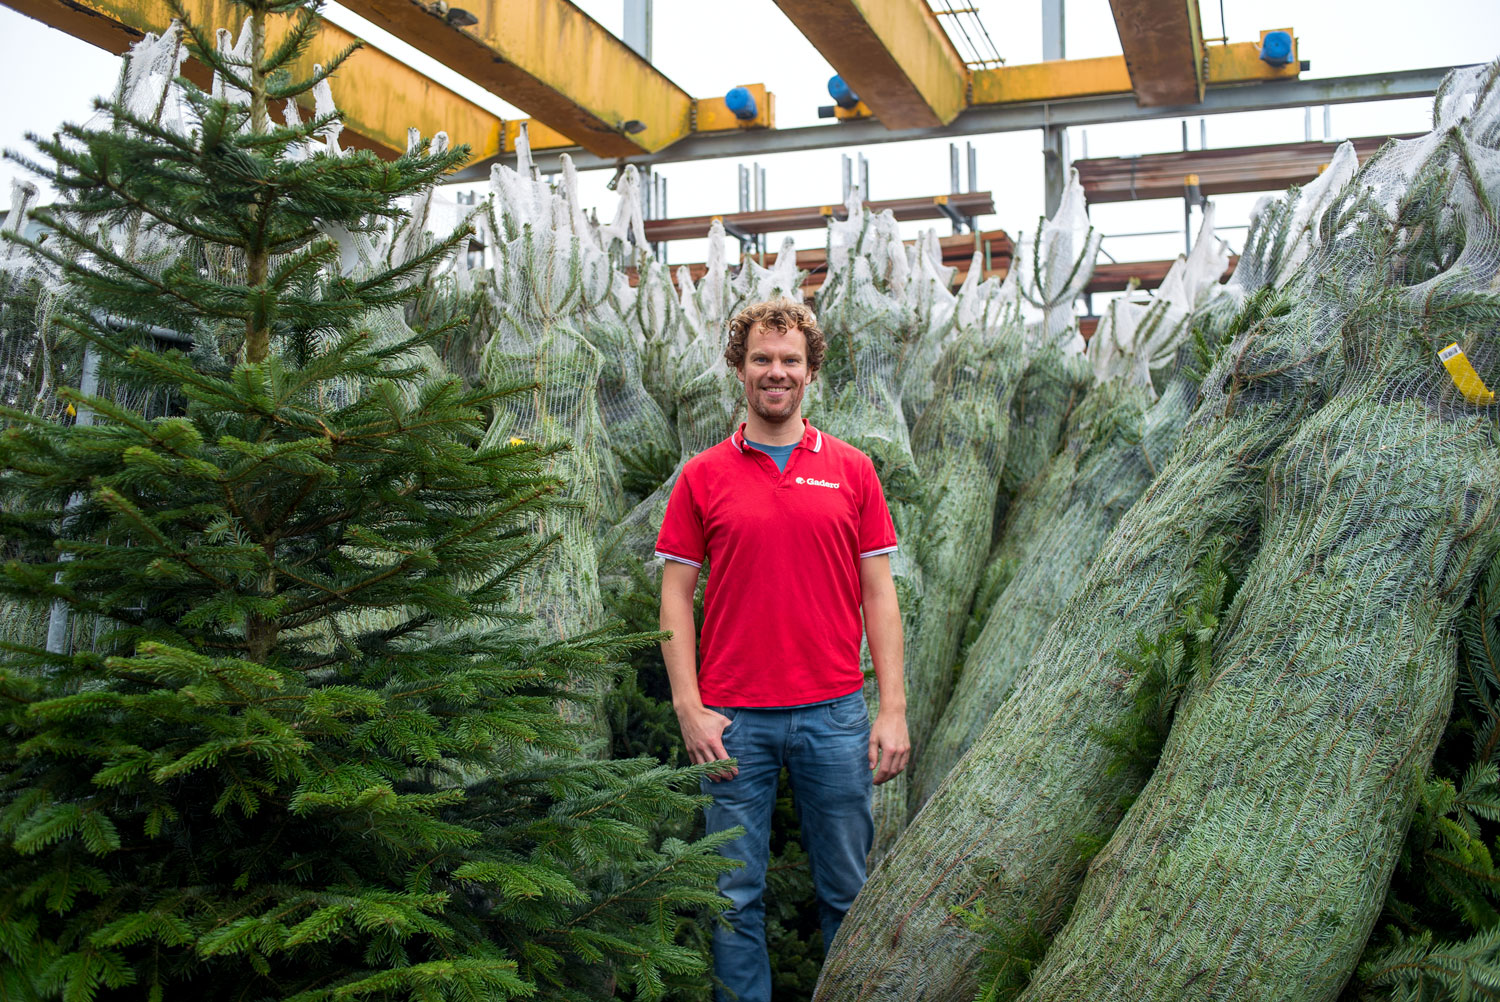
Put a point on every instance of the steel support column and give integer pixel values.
(1054, 137)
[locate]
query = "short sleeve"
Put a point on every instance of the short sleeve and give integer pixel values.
(681, 536)
(877, 533)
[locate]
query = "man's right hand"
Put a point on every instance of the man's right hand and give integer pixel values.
(703, 736)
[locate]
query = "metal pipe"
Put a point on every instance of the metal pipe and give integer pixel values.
(1327, 122)
(1054, 30)
(57, 617)
(1307, 125)
(953, 168)
(1054, 165)
(760, 203)
(1168, 233)
(973, 167)
(864, 177)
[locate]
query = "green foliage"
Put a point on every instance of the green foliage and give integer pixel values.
(1439, 936)
(1011, 952)
(304, 749)
(1165, 664)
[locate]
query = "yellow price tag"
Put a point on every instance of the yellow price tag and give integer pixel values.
(1464, 376)
(522, 441)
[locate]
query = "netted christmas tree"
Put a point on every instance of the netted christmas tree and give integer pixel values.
(1254, 861)
(1269, 831)
(309, 745)
(1114, 440)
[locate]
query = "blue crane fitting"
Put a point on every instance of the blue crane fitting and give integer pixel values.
(742, 103)
(840, 92)
(1276, 48)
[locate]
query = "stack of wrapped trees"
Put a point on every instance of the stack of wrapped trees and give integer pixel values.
(924, 381)
(1188, 794)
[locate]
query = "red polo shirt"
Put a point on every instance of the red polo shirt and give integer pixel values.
(781, 612)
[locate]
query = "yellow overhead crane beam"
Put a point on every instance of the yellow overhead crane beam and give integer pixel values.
(552, 60)
(1163, 45)
(1066, 78)
(892, 53)
(379, 96)
(710, 114)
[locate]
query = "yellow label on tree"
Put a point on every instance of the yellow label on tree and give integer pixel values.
(1464, 376)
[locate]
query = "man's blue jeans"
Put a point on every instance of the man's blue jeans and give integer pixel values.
(825, 749)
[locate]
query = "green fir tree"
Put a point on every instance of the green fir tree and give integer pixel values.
(297, 744)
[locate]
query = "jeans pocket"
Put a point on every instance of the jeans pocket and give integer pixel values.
(732, 713)
(849, 713)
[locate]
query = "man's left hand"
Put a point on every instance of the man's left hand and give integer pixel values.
(890, 745)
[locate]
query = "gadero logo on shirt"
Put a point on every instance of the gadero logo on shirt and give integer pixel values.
(817, 483)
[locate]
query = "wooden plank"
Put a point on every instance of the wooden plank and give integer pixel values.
(957, 251)
(808, 217)
(1220, 171)
(1113, 276)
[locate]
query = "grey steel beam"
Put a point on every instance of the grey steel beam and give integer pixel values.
(638, 33)
(1054, 136)
(984, 119)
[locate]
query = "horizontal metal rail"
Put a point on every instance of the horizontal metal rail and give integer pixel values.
(1018, 117)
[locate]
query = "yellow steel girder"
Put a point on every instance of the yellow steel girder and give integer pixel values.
(552, 60)
(710, 114)
(379, 96)
(1163, 45)
(892, 53)
(1064, 78)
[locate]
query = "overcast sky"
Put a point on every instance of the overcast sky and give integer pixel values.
(708, 46)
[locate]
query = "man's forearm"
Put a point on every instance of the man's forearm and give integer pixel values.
(680, 651)
(883, 632)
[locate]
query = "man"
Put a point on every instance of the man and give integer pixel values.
(797, 535)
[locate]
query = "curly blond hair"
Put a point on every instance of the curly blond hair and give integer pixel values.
(777, 315)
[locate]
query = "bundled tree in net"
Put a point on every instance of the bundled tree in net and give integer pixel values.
(1115, 441)
(1437, 933)
(236, 786)
(871, 329)
(1268, 833)
(1007, 834)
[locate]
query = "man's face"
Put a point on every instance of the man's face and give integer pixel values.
(775, 373)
